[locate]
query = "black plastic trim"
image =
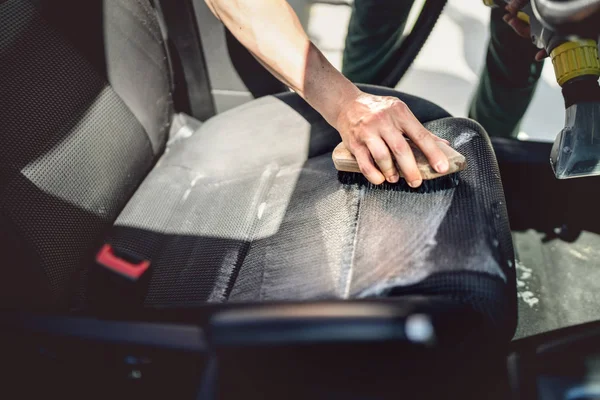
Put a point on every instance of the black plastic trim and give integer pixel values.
(581, 90)
(158, 335)
(341, 322)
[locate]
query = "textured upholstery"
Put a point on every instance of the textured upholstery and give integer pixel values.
(211, 187)
(85, 112)
(249, 208)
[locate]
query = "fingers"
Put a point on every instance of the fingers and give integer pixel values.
(367, 168)
(424, 139)
(439, 139)
(515, 5)
(520, 27)
(404, 157)
(541, 55)
(374, 127)
(436, 157)
(382, 157)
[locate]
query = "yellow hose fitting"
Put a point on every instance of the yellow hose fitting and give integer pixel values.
(573, 59)
(523, 17)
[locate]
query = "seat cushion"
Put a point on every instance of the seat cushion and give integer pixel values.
(249, 208)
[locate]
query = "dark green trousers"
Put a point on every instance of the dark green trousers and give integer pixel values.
(506, 84)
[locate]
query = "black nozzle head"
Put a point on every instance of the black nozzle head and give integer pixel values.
(583, 89)
(576, 150)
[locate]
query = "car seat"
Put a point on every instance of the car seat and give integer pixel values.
(244, 208)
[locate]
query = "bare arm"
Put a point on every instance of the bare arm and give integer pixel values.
(372, 127)
(271, 31)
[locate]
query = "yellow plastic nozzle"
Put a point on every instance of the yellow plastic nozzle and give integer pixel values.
(576, 58)
(523, 17)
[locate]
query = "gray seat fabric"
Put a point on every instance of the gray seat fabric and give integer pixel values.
(247, 208)
(85, 109)
(250, 209)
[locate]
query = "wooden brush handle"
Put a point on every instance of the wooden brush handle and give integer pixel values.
(346, 162)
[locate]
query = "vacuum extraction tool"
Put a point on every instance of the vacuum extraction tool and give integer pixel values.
(576, 149)
(568, 31)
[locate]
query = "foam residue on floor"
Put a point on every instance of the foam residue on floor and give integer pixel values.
(524, 292)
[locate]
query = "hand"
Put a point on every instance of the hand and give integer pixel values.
(520, 27)
(373, 129)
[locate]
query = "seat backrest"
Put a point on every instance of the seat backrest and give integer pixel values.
(85, 109)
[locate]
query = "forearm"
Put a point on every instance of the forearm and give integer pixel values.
(270, 30)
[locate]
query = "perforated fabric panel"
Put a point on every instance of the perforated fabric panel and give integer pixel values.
(306, 242)
(390, 239)
(71, 155)
(461, 229)
(122, 40)
(198, 211)
(138, 69)
(249, 208)
(195, 242)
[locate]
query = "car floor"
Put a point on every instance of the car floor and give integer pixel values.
(558, 282)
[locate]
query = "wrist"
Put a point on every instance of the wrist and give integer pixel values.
(340, 98)
(346, 97)
(328, 90)
(346, 100)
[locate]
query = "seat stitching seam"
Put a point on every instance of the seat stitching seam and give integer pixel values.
(350, 273)
(155, 62)
(159, 66)
(139, 18)
(255, 225)
(163, 231)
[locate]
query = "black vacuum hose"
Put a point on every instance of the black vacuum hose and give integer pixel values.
(403, 57)
(261, 83)
(397, 65)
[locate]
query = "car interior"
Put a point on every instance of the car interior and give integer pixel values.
(172, 226)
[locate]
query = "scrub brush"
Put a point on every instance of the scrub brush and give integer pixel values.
(433, 181)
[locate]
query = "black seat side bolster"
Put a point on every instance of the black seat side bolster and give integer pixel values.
(73, 148)
(123, 42)
(23, 284)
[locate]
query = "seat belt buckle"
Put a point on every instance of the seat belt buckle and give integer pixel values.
(119, 282)
(124, 264)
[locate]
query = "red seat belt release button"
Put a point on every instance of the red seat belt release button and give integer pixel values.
(132, 271)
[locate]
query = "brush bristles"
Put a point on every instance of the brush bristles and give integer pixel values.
(432, 185)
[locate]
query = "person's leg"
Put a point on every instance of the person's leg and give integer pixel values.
(374, 31)
(508, 80)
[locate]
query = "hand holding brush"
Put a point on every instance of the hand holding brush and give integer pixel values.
(384, 145)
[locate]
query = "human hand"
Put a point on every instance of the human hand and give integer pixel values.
(373, 129)
(520, 27)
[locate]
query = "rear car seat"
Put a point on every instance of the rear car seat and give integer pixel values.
(247, 208)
